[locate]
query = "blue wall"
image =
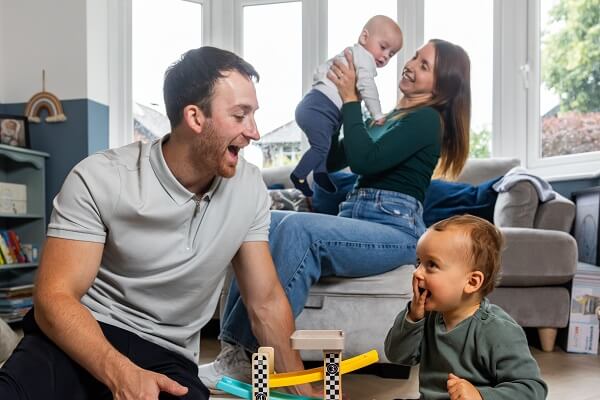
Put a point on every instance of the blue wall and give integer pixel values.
(567, 188)
(84, 132)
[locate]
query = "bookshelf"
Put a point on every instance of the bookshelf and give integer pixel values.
(26, 167)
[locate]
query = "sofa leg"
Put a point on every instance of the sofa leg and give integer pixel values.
(547, 338)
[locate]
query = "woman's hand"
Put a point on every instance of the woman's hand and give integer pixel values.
(344, 78)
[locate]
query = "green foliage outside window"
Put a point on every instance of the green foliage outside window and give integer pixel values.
(572, 55)
(480, 143)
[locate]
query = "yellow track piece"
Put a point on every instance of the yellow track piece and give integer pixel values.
(316, 374)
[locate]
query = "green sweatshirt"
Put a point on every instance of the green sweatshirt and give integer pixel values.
(399, 156)
(488, 349)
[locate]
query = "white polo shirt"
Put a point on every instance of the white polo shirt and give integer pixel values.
(165, 252)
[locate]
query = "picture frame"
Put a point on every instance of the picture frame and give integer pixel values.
(14, 130)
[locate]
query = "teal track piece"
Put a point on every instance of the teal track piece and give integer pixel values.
(244, 391)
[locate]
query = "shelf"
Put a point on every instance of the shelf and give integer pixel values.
(21, 216)
(15, 149)
(18, 266)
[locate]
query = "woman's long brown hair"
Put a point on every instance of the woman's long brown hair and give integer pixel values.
(452, 99)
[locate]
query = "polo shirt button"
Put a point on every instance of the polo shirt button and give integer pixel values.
(187, 248)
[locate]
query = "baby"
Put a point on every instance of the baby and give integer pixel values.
(319, 115)
(467, 347)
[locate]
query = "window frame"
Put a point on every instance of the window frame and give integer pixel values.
(120, 66)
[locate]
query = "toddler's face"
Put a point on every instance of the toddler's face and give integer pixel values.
(443, 268)
(383, 44)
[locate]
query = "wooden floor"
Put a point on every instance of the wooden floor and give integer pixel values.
(569, 376)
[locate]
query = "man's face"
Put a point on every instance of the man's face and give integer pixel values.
(231, 125)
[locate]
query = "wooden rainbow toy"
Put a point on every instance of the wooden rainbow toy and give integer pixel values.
(44, 101)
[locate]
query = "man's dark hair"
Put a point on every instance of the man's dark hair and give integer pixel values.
(191, 79)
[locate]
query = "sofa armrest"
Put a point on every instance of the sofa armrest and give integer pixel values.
(537, 257)
(557, 214)
(517, 207)
(278, 176)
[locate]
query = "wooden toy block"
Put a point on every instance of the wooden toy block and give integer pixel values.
(332, 384)
(270, 352)
(318, 340)
(260, 376)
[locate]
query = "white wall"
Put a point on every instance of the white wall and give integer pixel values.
(2, 59)
(67, 38)
(97, 50)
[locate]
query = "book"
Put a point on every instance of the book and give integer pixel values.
(15, 245)
(6, 251)
(6, 238)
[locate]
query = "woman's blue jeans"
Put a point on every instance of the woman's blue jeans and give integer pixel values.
(374, 232)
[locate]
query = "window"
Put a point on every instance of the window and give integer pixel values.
(541, 96)
(162, 30)
(343, 29)
(473, 31)
(569, 91)
(272, 43)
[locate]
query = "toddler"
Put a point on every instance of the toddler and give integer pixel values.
(468, 348)
(319, 115)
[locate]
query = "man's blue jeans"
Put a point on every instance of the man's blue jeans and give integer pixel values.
(375, 232)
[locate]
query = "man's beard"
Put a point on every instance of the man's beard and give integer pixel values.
(209, 151)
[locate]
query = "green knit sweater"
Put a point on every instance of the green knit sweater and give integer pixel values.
(488, 349)
(399, 156)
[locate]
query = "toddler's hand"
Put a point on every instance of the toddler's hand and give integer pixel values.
(417, 305)
(379, 121)
(461, 389)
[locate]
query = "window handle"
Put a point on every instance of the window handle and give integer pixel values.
(525, 75)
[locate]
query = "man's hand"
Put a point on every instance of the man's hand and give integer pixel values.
(140, 384)
(461, 389)
(417, 305)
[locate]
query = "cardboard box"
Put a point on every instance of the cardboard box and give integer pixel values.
(13, 198)
(584, 323)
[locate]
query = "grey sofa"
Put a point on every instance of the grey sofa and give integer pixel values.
(539, 259)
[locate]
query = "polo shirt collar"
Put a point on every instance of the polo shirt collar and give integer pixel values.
(168, 181)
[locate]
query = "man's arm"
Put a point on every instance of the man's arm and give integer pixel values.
(67, 270)
(268, 307)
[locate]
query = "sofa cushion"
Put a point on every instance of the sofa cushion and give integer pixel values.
(480, 170)
(517, 207)
(397, 282)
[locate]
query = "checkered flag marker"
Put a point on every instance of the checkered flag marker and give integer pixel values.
(333, 383)
(260, 376)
